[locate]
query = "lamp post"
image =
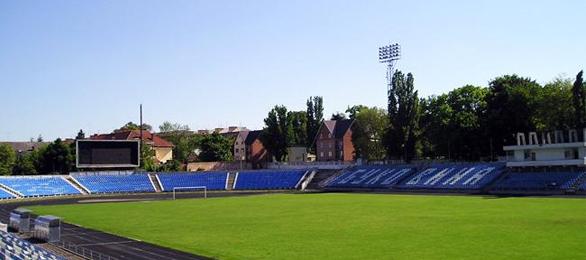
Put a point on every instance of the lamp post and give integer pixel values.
(389, 54)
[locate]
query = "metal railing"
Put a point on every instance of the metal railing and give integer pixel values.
(82, 251)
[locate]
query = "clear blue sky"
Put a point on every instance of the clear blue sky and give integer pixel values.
(70, 65)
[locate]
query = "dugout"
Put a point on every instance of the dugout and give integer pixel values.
(20, 220)
(47, 228)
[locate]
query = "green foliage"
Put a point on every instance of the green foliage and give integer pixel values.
(368, 132)
(7, 159)
(25, 164)
(133, 126)
(57, 157)
(511, 107)
(215, 148)
(353, 110)
(169, 166)
(346, 226)
(147, 158)
(80, 135)
(297, 135)
(185, 145)
(315, 114)
(276, 132)
(403, 111)
(554, 106)
(579, 100)
(172, 127)
(338, 116)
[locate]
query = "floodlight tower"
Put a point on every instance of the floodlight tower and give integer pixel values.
(389, 54)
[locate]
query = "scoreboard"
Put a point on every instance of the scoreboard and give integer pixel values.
(107, 153)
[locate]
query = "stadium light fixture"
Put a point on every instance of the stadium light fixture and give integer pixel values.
(389, 54)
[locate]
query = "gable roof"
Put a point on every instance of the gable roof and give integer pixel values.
(152, 139)
(252, 136)
(342, 126)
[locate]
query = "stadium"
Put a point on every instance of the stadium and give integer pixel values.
(396, 211)
(267, 133)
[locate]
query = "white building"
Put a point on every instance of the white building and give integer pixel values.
(557, 148)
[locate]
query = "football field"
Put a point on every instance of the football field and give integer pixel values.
(347, 226)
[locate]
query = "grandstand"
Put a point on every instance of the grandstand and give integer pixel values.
(454, 177)
(12, 247)
(538, 181)
(372, 177)
(268, 179)
(35, 186)
(115, 183)
(211, 180)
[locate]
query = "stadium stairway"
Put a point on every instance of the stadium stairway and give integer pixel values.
(231, 180)
(155, 181)
(321, 178)
(76, 185)
(10, 191)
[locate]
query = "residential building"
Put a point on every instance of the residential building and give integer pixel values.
(23, 147)
(163, 148)
(334, 141)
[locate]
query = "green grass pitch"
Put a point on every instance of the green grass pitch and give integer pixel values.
(348, 226)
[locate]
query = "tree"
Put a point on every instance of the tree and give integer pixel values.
(39, 138)
(147, 158)
(80, 135)
(7, 159)
(368, 132)
(297, 134)
(133, 126)
(185, 145)
(338, 116)
(511, 106)
(215, 147)
(275, 134)
(57, 157)
(403, 112)
(579, 99)
(555, 108)
(315, 114)
(25, 164)
(172, 127)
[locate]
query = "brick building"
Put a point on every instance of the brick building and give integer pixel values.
(334, 141)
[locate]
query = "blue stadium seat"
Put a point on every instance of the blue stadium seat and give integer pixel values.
(32, 186)
(454, 177)
(5, 195)
(211, 180)
(372, 176)
(537, 181)
(104, 183)
(268, 179)
(12, 247)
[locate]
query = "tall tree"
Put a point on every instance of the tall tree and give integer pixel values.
(297, 135)
(315, 114)
(554, 106)
(25, 164)
(276, 131)
(368, 132)
(579, 99)
(354, 110)
(511, 106)
(7, 159)
(80, 135)
(57, 157)
(403, 111)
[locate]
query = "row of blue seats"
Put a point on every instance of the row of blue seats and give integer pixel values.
(32, 186)
(12, 247)
(444, 177)
(538, 181)
(268, 179)
(138, 182)
(211, 180)
(375, 177)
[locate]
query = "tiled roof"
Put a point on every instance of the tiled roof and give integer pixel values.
(153, 139)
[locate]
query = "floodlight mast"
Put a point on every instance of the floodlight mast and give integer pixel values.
(389, 54)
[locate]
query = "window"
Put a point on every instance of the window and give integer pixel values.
(321, 154)
(330, 154)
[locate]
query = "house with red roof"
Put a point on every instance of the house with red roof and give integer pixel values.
(163, 148)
